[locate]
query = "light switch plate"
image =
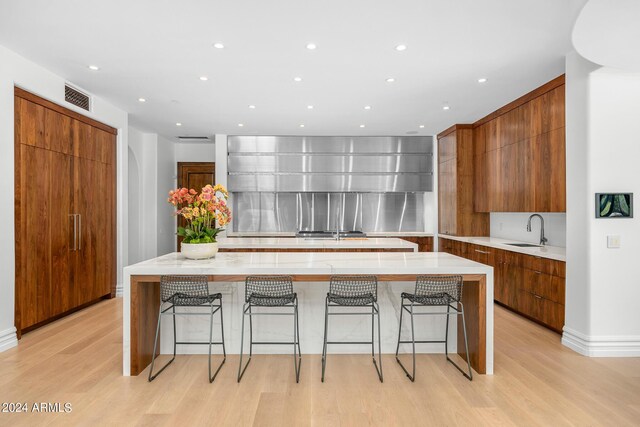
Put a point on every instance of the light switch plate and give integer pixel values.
(613, 242)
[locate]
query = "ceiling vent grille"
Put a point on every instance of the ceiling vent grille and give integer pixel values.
(202, 139)
(77, 98)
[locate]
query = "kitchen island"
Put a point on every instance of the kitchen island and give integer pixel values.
(296, 244)
(311, 271)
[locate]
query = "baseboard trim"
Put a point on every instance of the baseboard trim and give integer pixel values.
(119, 290)
(601, 346)
(8, 339)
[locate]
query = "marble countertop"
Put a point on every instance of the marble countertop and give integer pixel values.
(369, 234)
(291, 243)
(310, 263)
(550, 252)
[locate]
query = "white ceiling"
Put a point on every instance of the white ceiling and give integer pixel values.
(607, 32)
(159, 49)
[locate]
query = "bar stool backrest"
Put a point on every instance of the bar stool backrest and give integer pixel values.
(268, 286)
(439, 287)
(354, 286)
(192, 286)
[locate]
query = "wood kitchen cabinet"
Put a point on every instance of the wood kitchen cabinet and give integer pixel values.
(519, 154)
(64, 210)
(456, 185)
(425, 243)
(530, 285)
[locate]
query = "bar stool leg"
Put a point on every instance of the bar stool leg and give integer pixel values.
(324, 346)
(240, 368)
(297, 359)
(155, 345)
(468, 375)
(466, 345)
(446, 334)
(211, 378)
(400, 330)
(379, 368)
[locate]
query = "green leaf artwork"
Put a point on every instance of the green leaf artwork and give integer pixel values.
(614, 205)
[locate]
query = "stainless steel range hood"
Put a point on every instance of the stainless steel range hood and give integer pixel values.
(294, 183)
(330, 164)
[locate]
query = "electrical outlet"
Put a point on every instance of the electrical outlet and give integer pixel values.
(613, 242)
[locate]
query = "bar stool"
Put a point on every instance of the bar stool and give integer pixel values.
(188, 291)
(438, 291)
(353, 291)
(270, 291)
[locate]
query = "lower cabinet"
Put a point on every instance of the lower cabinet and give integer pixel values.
(425, 243)
(532, 286)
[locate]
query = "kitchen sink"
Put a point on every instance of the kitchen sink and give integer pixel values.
(523, 245)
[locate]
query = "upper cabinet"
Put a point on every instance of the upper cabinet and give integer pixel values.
(455, 185)
(519, 154)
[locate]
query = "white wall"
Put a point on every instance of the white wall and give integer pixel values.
(603, 289)
(195, 152)
(17, 71)
(166, 181)
(143, 216)
(513, 225)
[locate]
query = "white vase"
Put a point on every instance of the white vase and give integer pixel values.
(199, 250)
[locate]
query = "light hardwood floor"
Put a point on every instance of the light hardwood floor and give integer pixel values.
(537, 382)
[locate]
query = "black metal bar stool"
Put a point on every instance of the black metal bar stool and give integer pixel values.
(353, 291)
(438, 291)
(270, 291)
(188, 291)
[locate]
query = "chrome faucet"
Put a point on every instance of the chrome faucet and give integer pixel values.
(543, 240)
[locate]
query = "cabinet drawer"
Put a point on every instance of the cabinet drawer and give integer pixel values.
(544, 285)
(541, 309)
(544, 265)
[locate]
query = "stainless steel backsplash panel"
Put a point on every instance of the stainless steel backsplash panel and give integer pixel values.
(263, 212)
(330, 182)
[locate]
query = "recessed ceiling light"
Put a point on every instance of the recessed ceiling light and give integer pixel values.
(240, 125)
(253, 107)
(401, 47)
(301, 126)
(390, 80)
(94, 67)
(178, 124)
(367, 107)
(311, 46)
(361, 126)
(297, 79)
(482, 80)
(218, 45)
(309, 107)
(142, 100)
(446, 107)
(421, 126)
(204, 78)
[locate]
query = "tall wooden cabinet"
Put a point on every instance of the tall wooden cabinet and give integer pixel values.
(64, 210)
(519, 154)
(455, 185)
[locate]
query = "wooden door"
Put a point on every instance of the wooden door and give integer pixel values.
(33, 256)
(194, 175)
(62, 233)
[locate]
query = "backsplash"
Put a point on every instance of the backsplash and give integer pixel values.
(513, 225)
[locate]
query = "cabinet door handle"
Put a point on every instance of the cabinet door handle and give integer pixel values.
(537, 296)
(537, 272)
(80, 232)
(482, 252)
(75, 235)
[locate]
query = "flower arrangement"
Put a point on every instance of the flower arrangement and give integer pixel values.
(206, 213)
